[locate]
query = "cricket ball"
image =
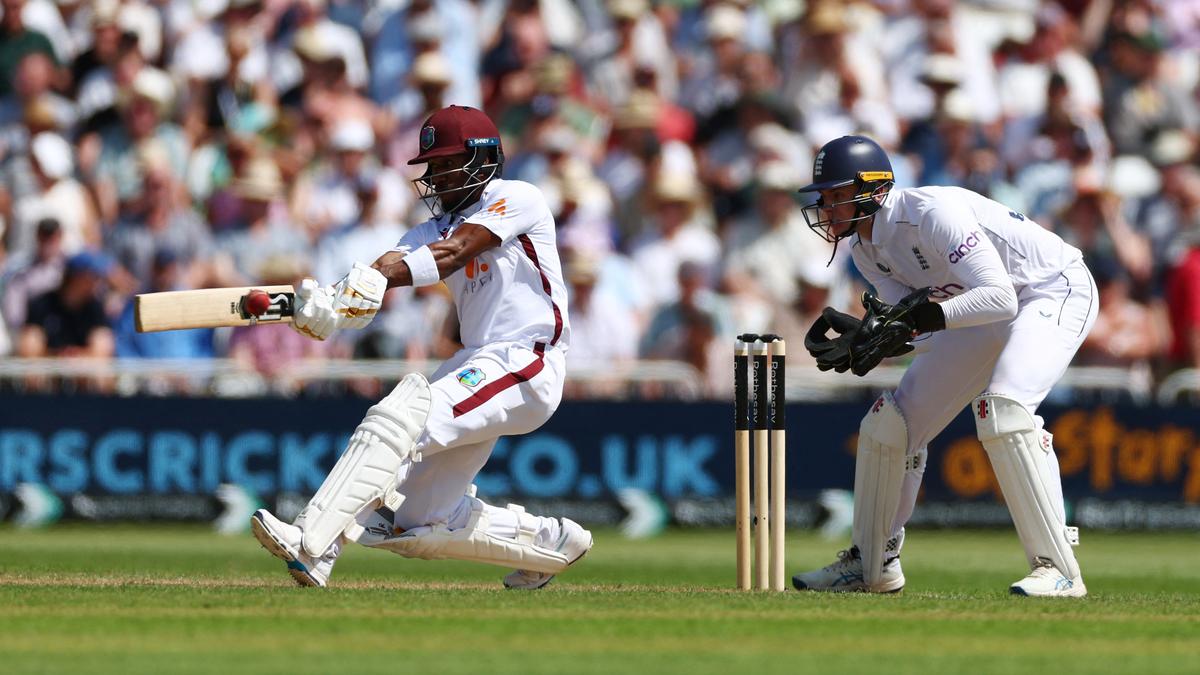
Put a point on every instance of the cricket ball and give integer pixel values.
(257, 302)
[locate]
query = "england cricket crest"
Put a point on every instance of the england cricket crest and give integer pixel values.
(470, 377)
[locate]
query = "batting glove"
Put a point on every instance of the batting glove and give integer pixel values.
(315, 314)
(358, 296)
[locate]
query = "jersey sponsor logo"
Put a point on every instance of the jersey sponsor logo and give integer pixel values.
(427, 137)
(470, 377)
(959, 252)
(920, 258)
(948, 291)
(498, 208)
(883, 268)
(475, 268)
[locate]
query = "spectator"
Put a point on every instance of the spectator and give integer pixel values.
(1173, 209)
(1183, 305)
(675, 236)
(1094, 223)
(1141, 97)
(698, 310)
(782, 244)
(158, 219)
(603, 331)
(144, 118)
(1127, 332)
(70, 320)
(168, 272)
(17, 40)
(264, 230)
(59, 197)
(32, 275)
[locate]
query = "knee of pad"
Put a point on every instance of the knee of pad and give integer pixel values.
(884, 426)
(997, 415)
(398, 420)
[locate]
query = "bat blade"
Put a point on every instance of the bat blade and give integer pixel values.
(209, 308)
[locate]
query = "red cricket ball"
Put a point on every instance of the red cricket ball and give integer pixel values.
(257, 302)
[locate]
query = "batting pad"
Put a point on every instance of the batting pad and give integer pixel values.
(1030, 485)
(366, 472)
(474, 542)
(878, 478)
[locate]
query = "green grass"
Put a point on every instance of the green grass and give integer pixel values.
(155, 599)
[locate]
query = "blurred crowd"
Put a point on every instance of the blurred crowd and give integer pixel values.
(150, 145)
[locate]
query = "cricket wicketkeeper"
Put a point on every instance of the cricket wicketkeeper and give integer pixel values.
(997, 305)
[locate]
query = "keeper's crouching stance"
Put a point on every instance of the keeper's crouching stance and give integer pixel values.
(404, 482)
(1005, 304)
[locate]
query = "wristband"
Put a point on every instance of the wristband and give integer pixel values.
(422, 266)
(928, 317)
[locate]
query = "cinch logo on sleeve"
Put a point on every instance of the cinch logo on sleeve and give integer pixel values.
(948, 291)
(961, 251)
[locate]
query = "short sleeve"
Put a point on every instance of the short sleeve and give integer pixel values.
(425, 233)
(511, 209)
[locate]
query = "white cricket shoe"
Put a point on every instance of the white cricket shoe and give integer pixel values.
(846, 574)
(1045, 581)
(574, 542)
(282, 540)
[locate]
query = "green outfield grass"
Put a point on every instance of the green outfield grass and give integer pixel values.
(156, 599)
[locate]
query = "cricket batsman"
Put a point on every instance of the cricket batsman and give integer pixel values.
(404, 483)
(998, 306)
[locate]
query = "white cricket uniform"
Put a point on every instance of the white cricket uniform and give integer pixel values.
(1018, 302)
(508, 378)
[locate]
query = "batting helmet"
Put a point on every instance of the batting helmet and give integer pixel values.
(452, 131)
(849, 160)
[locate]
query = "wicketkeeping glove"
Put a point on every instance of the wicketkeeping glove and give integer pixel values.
(886, 329)
(831, 353)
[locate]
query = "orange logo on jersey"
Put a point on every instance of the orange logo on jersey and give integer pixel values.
(475, 268)
(497, 208)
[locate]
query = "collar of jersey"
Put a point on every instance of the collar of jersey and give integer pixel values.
(884, 227)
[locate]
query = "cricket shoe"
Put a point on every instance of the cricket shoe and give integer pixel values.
(1045, 581)
(574, 542)
(846, 574)
(282, 540)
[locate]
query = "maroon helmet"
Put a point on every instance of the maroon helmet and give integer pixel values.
(458, 130)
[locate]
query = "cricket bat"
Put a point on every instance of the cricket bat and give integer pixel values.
(213, 308)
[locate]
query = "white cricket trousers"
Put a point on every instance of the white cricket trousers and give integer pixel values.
(1021, 358)
(478, 396)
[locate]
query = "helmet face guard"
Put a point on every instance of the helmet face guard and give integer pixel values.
(868, 186)
(485, 163)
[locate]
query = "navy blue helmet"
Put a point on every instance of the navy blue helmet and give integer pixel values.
(849, 160)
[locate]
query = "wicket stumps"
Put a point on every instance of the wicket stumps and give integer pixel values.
(759, 402)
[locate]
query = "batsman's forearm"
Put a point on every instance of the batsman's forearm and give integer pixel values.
(447, 256)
